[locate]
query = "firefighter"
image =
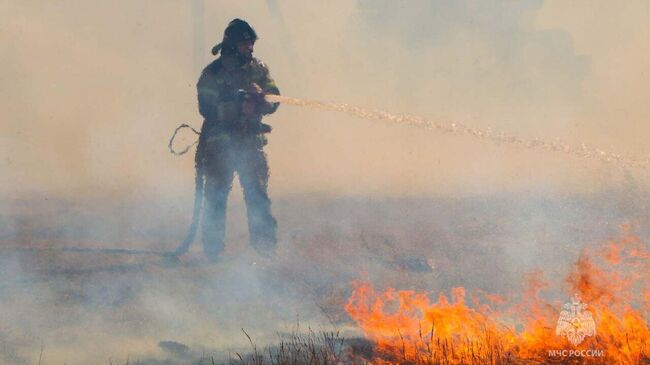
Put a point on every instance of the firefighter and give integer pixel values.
(231, 100)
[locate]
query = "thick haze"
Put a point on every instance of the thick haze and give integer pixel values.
(90, 196)
(92, 91)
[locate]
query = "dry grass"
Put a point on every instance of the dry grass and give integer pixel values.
(311, 348)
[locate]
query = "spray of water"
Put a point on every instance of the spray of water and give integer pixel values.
(582, 151)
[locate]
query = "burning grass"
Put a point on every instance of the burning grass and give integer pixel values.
(409, 328)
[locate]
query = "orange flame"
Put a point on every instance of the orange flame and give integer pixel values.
(408, 327)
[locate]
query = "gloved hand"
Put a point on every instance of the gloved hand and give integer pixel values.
(254, 96)
(255, 90)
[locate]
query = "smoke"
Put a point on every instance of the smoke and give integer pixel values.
(94, 91)
(97, 89)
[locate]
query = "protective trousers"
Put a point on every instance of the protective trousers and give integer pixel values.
(223, 155)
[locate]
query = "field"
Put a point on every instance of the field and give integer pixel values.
(83, 281)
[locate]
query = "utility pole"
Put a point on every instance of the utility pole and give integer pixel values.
(198, 52)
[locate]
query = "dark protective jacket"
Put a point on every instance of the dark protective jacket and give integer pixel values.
(230, 141)
(219, 101)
